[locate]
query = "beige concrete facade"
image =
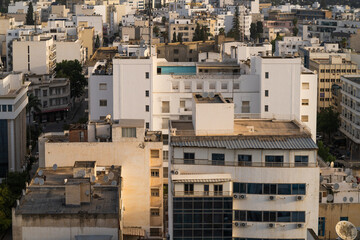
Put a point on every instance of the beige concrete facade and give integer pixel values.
(86, 35)
(329, 72)
(187, 31)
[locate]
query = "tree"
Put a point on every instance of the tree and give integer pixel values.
(221, 31)
(73, 71)
(165, 36)
(197, 33)
(156, 31)
(343, 43)
(33, 105)
(328, 121)
(6, 202)
(295, 29)
(97, 41)
(30, 15)
(259, 28)
(253, 31)
(174, 37)
(278, 38)
(163, 20)
(323, 4)
(179, 37)
(235, 30)
(204, 33)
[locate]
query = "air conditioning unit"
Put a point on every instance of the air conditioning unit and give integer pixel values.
(299, 198)
(236, 196)
(240, 224)
(272, 225)
(176, 172)
(272, 198)
(242, 196)
(300, 225)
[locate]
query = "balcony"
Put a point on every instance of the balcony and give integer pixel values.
(240, 164)
(202, 194)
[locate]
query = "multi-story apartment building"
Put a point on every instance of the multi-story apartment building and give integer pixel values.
(329, 72)
(34, 53)
(54, 96)
(245, 20)
(183, 26)
(240, 179)
(312, 14)
(291, 45)
(75, 202)
(13, 101)
(126, 144)
(320, 52)
(158, 91)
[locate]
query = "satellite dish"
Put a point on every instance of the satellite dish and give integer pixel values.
(205, 94)
(348, 171)
(153, 138)
(348, 179)
(36, 180)
(336, 186)
(113, 183)
(87, 192)
(40, 173)
(41, 181)
(354, 185)
(344, 199)
(330, 198)
(93, 178)
(111, 175)
(346, 230)
(106, 178)
(351, 199)
(55, 167)
(211, 95)
(112, 167)
(108, 117)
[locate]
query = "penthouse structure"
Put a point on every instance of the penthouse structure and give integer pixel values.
(240, 179)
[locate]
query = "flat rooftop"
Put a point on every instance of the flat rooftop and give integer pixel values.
(354, 78)
(208, 98)
(49, 198)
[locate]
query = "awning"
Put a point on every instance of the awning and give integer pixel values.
(134, 231)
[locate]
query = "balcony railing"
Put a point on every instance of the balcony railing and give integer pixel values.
(240, 164)
(202, 194)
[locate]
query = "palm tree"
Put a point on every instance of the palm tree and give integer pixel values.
(33, 105)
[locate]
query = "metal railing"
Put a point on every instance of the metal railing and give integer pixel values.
(240, 164)
(202, 194)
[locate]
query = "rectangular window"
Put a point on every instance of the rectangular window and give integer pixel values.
(155, 192)
(223, 86)
(245, 107)
(244, 160)
(154, 172)
(298, 189)
(147, 108)
(301, 160)
(236, 86)
(176, 51)
(283, 216)
(165, 155)
(254, 216)
(270, 188)
(189, 189)
(212, 86)
(155, 212)
(266, 93)
(10, 108)
(218, 158)
(147, 75)
(165, 107)
(155, 153)
(269, 216)
(239, 187)
(146, 93)
(147, 125)
(199, 86)
(206, 190)
(240, 215)
(102, 86)
(275, 161)
(155, 232)
(266, 108)
(305, 85)
(218, 189)
(165, 123)
(44, 93)
(344, 219)
(266, 75)
(4, 109)
(182, 103)
(103, 103)
(189, 158)
(304, 118)
(321, 227)
(128, 132)
(284, 189)
(305, 102)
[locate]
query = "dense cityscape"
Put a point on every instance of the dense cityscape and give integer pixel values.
(179, 119)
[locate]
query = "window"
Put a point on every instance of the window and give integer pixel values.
(305, 102)
(189, 158)
(147, 75)
(305, 85)
(155, 192)
(321, 226)
(270, 188)
(266, 75)
(175, 86)
(182, 103)
(298, 189)
(147, 108)
(165, 123)
(274, 160)
(165, 155)
(304, 118)
(236, 86)
(45, 104)
(224, 86)
(344, 219)
(301, 160)
(103, 103)
(254, 188)
(147, 125)
(239, 187)
(10, 108)
(244, 160)
(154, 212)
(102, 86)
(155, 232)
(128, 132)
(212, 85)
(218, 158)
(176, 51)
(284, 189)
(266, 93)
(146, 93)
(158, 70)
(266, 108)
(254, 216)
(155, 153)
(245, 106)
(44, 93)
(154, 172)
(206, 190)
(199, 86)
(165, 108)
(189, 189)
(218, 190)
